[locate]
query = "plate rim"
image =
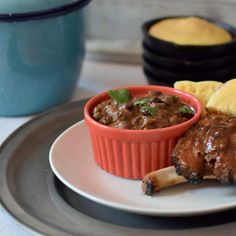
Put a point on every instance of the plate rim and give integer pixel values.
(124, 207)
(8, 203)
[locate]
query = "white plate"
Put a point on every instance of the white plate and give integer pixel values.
(71, 159)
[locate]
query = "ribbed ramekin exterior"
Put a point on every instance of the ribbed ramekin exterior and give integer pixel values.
(134, 153)
(129, 159)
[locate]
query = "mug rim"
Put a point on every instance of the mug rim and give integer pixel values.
(46, 13)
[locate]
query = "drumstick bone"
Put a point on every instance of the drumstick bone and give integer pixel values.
(163, 178)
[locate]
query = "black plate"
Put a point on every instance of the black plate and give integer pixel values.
(175, 64)
(154, 80)
(189, 51)
(167, 75)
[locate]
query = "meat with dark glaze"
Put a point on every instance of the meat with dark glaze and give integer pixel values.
(208, 148)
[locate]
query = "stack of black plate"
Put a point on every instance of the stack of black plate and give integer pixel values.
(166, 62)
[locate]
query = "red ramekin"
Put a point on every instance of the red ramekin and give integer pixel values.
(134, 153)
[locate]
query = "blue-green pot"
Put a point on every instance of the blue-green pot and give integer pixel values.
(42, 49)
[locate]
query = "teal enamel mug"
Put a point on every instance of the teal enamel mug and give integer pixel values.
(42, 48)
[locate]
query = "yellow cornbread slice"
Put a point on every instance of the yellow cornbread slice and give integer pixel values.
(190, 31)
(224, 99)
(202, 90)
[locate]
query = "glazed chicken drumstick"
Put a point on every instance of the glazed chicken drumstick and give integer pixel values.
(207, 150)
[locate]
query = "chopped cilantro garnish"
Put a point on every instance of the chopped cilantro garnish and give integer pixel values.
(151, 110)
(186, 110)
(141, 101)
(121, 95)
(175, 98)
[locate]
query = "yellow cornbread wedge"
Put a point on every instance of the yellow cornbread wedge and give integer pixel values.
(224, 99)
(202, 90)
(190, 31)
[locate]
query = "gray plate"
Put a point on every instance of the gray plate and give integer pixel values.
(32, 195)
